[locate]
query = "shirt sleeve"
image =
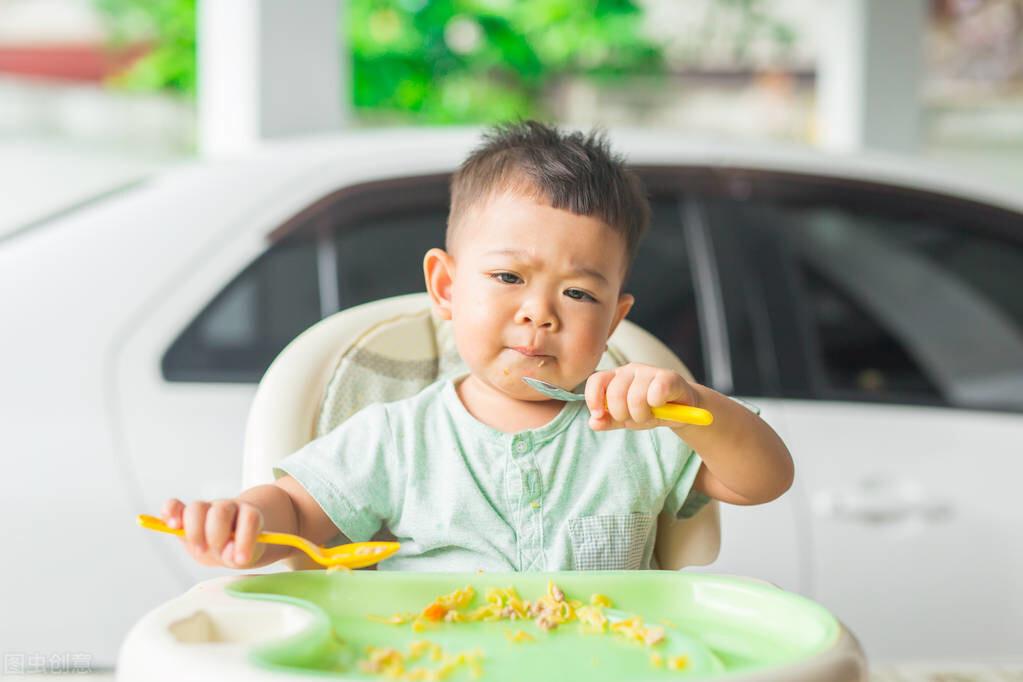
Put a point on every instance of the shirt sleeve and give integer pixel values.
(353, 473)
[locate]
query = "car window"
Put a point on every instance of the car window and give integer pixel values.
(241, 331)
(911, 298)
(661, 279)
(364, 245)
(358, 245)
(383, 256)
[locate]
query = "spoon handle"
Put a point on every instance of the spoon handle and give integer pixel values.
(684, 414)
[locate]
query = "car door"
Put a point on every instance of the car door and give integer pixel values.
(897, 323)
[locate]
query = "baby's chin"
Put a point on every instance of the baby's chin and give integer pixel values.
(509, 380)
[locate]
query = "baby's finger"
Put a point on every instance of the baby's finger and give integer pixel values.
(171, 512)
(617, 394)
(596, 385)
(195, 525)
(639, 410)
(247, 528)
(659, 390)
(220, 524)
(226, 555)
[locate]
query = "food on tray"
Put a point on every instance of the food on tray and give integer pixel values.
(678, 663)
(517, 636)
(415, 666)
(547, 612)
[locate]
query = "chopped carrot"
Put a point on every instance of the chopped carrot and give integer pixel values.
(435, 611)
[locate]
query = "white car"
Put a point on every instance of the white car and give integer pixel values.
(874, 311)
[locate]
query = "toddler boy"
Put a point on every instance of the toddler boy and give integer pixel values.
(482, 471)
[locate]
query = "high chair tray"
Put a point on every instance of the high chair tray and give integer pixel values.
(317, 624)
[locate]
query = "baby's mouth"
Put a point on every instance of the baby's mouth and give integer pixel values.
(531, 352)
(529, 359)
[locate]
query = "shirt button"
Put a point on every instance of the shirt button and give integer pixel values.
(520, 447)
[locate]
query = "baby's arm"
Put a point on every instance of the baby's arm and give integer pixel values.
(744, 460)
(223, 532)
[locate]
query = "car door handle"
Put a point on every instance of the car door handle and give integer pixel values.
(877, 503)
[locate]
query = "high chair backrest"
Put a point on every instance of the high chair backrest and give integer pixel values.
(391, 349)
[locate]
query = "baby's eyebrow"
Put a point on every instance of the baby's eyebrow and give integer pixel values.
(525, 256)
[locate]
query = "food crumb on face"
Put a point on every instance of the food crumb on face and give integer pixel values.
(540, 364)
(507, 371)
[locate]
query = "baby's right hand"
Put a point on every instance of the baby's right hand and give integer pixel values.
(218, 533)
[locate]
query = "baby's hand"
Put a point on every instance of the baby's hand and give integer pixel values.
(630, 391)
(218, 533)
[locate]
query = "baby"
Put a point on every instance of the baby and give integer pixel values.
(481, 471)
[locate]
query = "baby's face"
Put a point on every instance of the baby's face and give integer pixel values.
(535, 292)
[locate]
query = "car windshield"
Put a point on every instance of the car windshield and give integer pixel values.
(10, 232)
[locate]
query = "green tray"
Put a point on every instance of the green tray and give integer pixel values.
(745, 624)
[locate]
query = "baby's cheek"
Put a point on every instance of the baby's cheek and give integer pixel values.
(593, 348)
(583, 359)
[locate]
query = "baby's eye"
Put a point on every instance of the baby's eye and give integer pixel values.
(579, 295)
(507, 277)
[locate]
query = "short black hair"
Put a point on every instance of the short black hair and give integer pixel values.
(572, 171)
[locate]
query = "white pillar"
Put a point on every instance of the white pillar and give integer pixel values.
(869, 74)
(267, 69)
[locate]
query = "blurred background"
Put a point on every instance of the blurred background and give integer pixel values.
(95, 92)
(867, 297)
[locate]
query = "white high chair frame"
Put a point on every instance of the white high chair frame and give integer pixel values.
(289, 398)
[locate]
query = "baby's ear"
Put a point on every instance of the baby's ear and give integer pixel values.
(438, 269)
(624, 305)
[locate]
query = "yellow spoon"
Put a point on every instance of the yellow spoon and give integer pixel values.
(352, 555)
(683, 414)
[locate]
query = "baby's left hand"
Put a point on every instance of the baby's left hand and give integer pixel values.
(630, 391)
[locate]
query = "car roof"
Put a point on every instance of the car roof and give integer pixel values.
(447, 146)
(359, 155)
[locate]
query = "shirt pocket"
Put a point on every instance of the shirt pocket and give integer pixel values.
(609, 542)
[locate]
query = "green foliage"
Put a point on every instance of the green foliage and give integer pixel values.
(436, 61)
(170, 64)
(450, 61)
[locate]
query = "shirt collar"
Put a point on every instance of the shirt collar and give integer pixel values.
(538, 435)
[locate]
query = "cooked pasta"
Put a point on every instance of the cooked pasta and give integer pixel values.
(548, 612)
(414, 665)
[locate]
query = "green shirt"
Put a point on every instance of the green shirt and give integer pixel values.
(462, 496)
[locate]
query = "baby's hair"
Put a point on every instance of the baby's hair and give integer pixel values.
(572, 171)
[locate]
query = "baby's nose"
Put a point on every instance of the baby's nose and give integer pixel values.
(539, 316)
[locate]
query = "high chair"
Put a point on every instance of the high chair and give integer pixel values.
(393, 348)
(388, 350)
